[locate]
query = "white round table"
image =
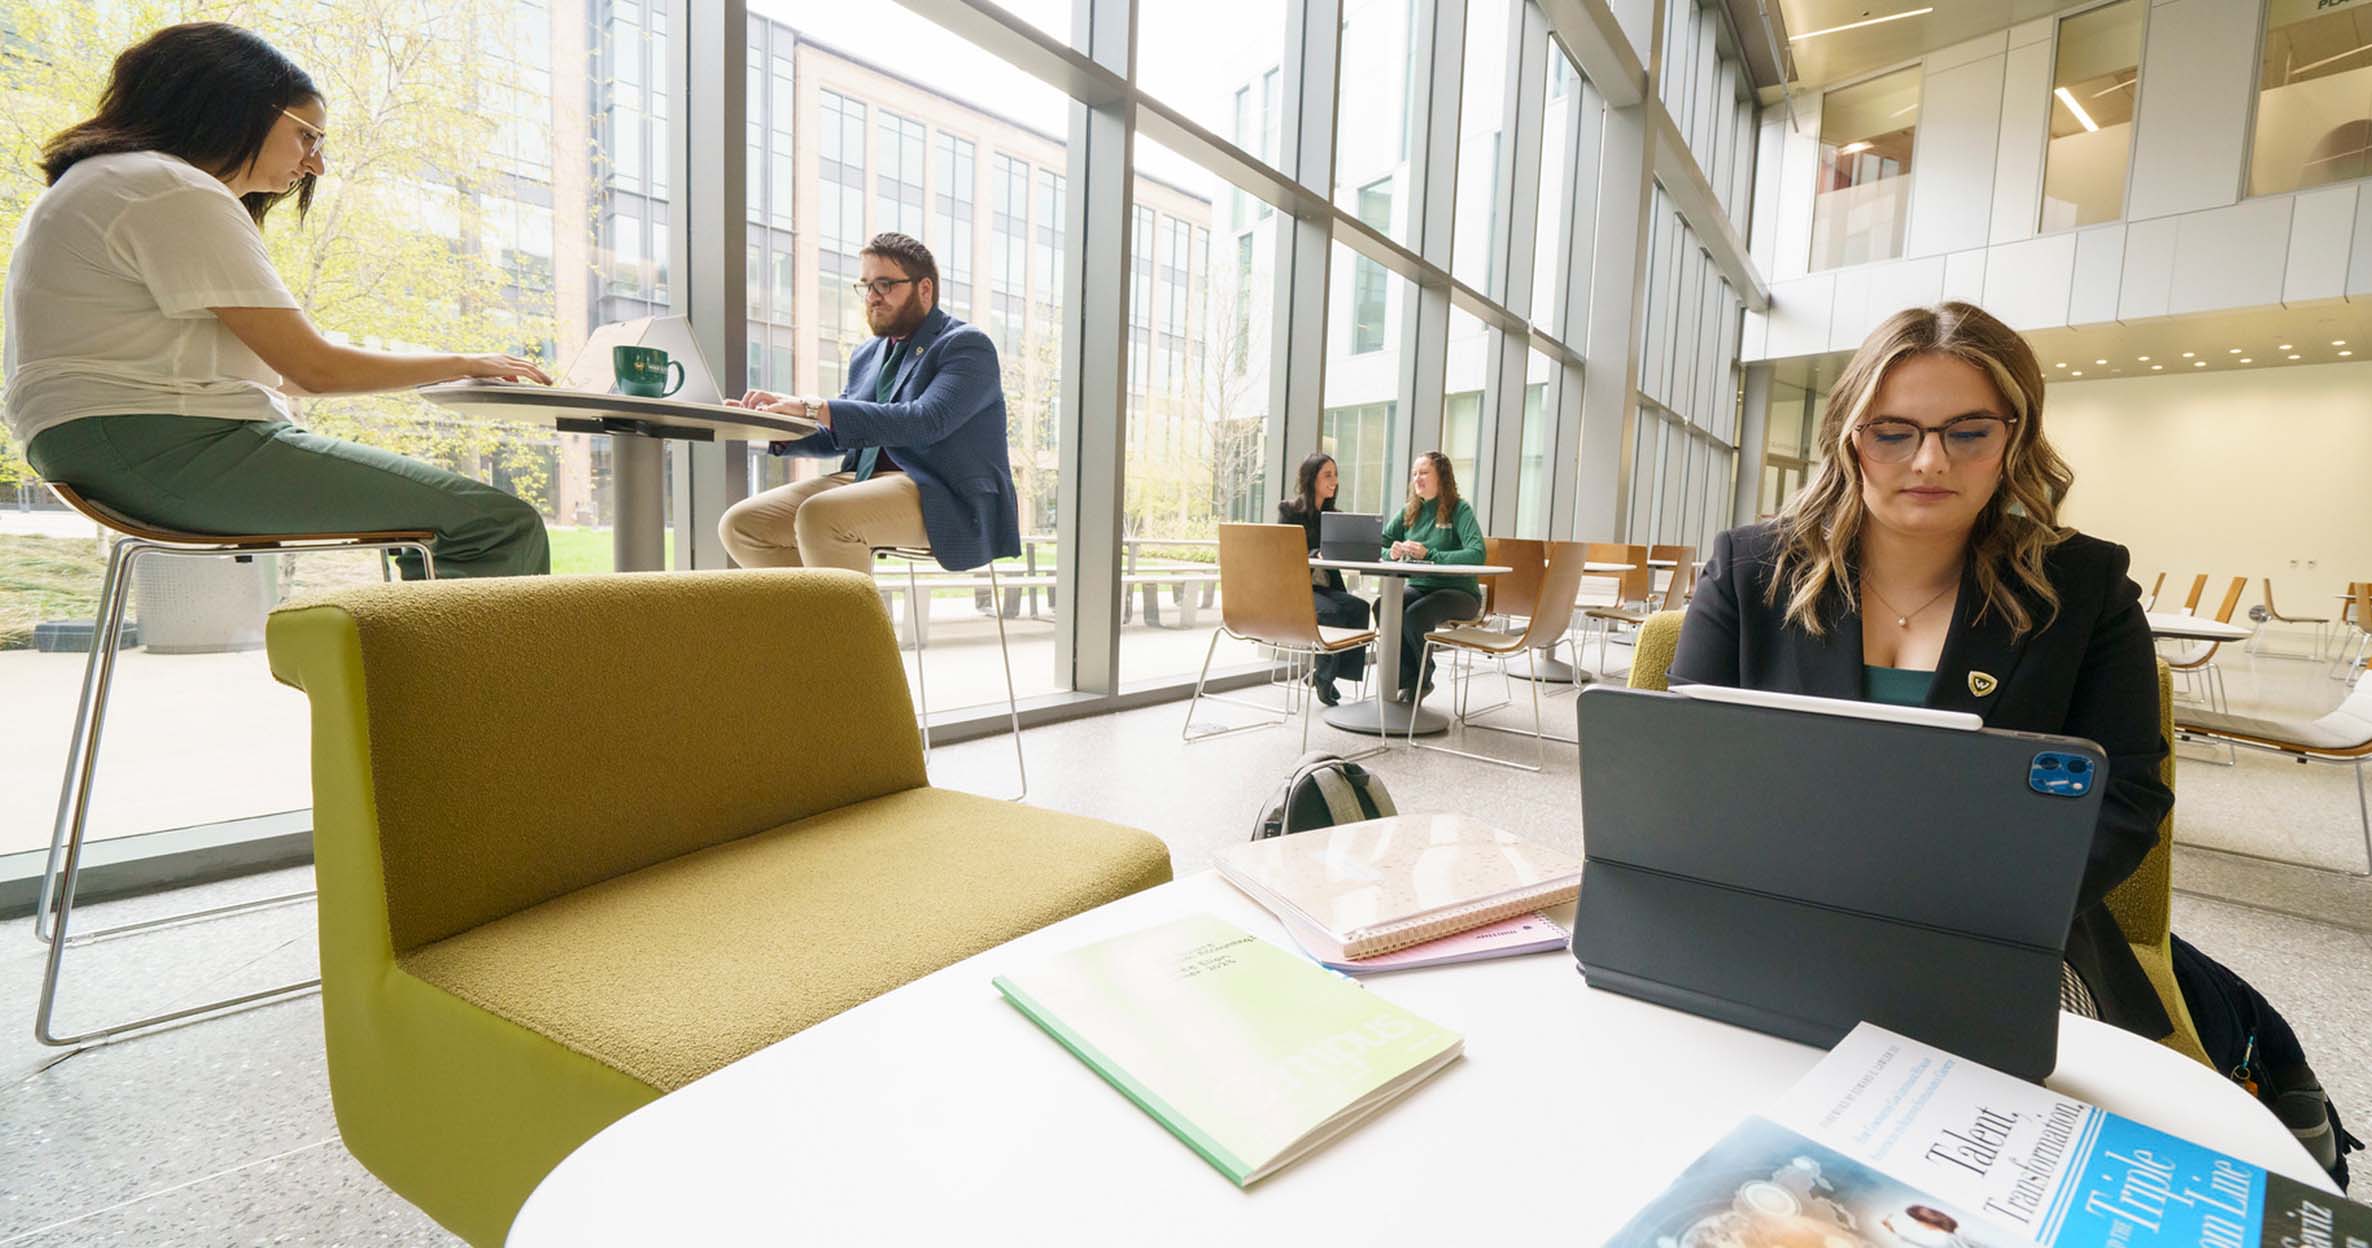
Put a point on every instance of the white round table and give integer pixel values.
(1385, 714)
(939, 1114)
(2193, 627)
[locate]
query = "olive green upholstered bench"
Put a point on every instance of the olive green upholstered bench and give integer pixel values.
(582, 840)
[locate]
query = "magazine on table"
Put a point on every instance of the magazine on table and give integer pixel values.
(1891, 1143)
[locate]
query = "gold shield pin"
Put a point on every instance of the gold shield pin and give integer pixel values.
(1981, 684)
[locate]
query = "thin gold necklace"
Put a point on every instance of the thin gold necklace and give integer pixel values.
(1902, 619)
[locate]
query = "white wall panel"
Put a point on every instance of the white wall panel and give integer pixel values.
(1800, 316)
(1799, 167)
(2148, 282)
(1964, 276)
(1968, 53)
(2018, 154)
(2230, 257)
(1770, 139)
(2198, 77)
(2321, 229)
(1755, 343)
(2036, 31)
(1952, 170)
(2026, 283)
(1849, 310)
(1905, 284)
(2099, 266)
(2359, 258)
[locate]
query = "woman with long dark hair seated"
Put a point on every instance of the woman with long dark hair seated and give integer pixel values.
(1436, 526)
(152, 346)
(1315, 490)
(1924, 565)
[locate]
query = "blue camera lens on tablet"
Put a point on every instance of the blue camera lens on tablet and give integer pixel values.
(2059, 775)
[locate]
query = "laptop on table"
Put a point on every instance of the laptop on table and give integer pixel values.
(1350, 535)
(1796, 865)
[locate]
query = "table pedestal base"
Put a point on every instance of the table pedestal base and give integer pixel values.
(1376, 717)
(1545, 667)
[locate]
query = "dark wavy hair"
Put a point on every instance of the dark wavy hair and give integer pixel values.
(207, 92)
(1305, 488)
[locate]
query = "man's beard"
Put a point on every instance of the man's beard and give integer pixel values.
(905, 321)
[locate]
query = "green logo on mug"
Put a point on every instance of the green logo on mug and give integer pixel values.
(642, 371)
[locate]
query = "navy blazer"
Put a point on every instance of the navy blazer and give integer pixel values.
(944, 423)
(2091, 673)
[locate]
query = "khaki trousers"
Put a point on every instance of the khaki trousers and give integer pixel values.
(833, 521)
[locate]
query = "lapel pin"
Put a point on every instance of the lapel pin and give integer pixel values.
(1982, 683)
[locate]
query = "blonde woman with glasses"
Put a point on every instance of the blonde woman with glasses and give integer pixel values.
(1924, 565)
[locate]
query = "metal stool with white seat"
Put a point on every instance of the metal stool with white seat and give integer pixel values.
(62, 870)
(918, 610)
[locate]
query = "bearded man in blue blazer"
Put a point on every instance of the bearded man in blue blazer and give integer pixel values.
(920, 431)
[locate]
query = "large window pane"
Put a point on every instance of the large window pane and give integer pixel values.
(1535, 476)
(1465, 375)
(968, 157)
(1377, 121)
(456, 216)
(1550, 274)
(1474, 252)
(2314, 103)
(1198, 432)
(1861, 202)
(1368, 277)
(1219, 62)
(2092, 96)
(1363, 386)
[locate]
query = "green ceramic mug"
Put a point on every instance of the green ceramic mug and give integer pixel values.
(643, 371)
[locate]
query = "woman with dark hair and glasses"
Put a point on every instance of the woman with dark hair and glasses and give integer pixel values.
(152, 347)
(1318, 483)
(1925, 565)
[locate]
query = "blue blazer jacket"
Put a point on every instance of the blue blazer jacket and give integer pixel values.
(945, 425)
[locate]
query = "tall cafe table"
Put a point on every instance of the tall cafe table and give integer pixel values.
(636, 428)
(1385, 714)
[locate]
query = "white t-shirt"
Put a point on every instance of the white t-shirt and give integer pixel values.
(109, 292)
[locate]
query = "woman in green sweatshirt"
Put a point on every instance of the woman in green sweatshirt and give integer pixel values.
(1436, 527)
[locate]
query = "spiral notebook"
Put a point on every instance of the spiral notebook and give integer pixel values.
(1359, 889)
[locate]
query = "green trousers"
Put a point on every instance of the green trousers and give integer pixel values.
(243, 476)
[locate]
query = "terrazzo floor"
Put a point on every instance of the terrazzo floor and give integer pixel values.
(220, 1133)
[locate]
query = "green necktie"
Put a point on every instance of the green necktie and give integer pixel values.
(870, 457)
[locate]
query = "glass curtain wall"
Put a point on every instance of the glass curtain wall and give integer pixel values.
(2094, 86)
(1684, 452)
(1861, 203)
(2314, 98)
(503, 187)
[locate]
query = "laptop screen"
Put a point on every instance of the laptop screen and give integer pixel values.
(1350, 535)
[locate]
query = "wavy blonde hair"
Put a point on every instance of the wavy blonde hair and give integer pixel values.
(1819, 531)
(1445, 500)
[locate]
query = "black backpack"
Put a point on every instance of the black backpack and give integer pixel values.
(1323, 791)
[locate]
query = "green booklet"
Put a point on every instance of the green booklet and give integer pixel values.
(1250, 1054)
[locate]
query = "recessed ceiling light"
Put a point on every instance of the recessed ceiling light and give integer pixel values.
(2283, 347)
(2061, 364)
(2188, 354)
(2339, 342)
(2233, 350)
(2083, 118)
(2246, 360)
(2157, 368)
(1872, 21)
(2143, 358)
(2293, 357)
(2347, 353)
(1851, 149)
(2077, 373)
(2198, 363)
(2100, 361)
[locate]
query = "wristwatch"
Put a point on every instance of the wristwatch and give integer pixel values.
(809, 408)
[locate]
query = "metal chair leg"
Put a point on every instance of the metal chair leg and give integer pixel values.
(86, 761)
(70, 783)
(922, 688)
(1012, 703)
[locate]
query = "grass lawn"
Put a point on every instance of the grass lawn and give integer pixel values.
(46, 578)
